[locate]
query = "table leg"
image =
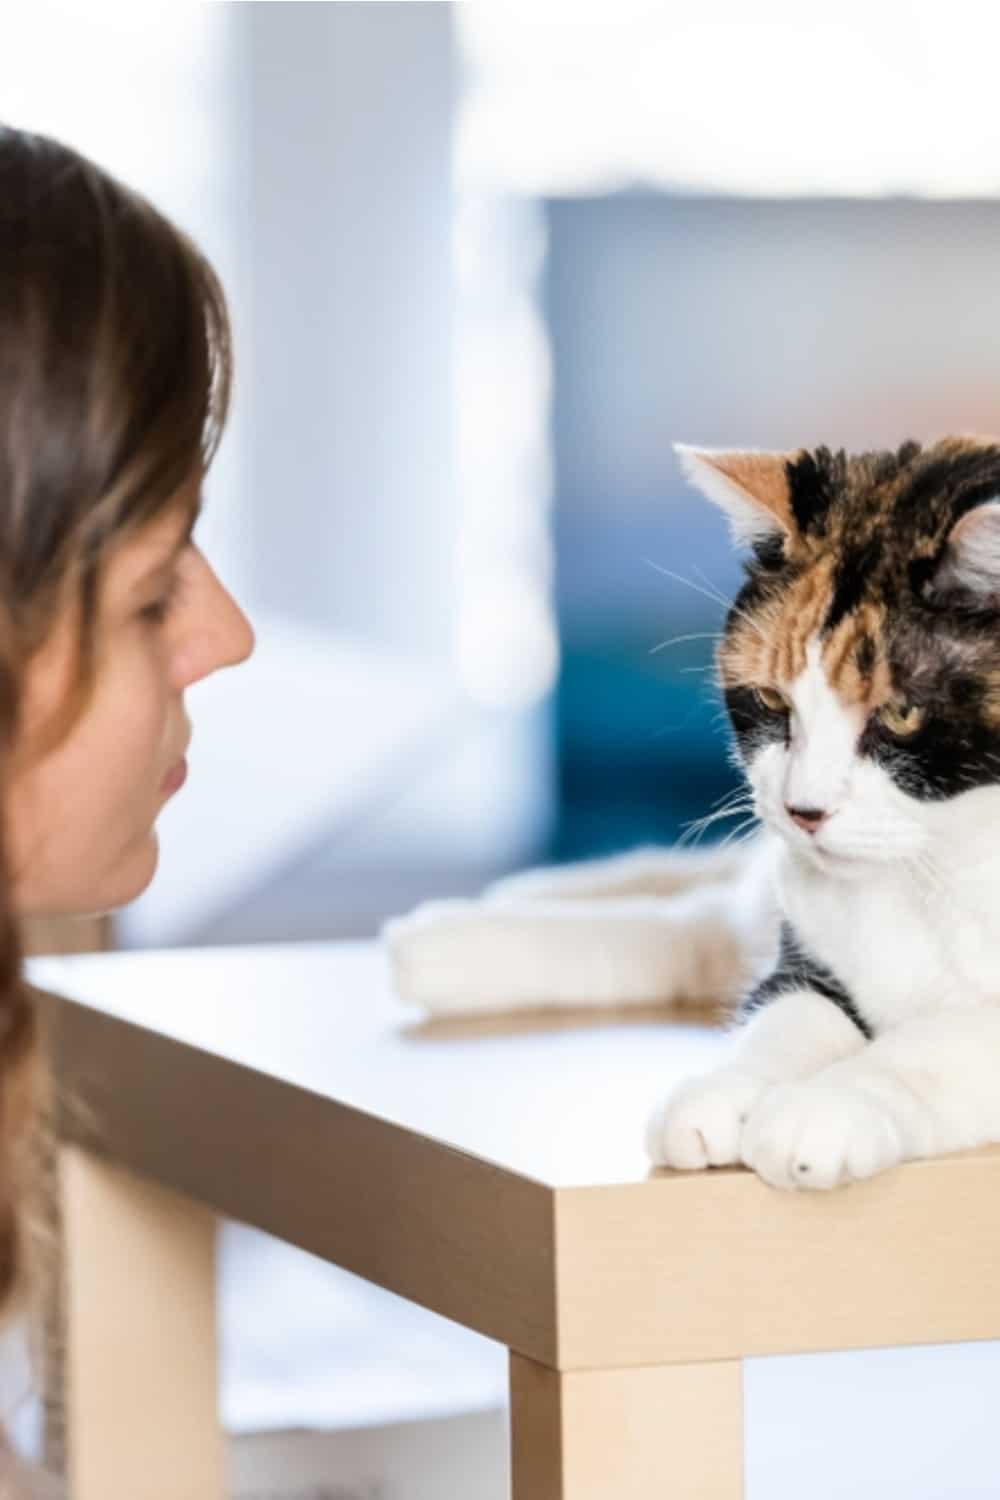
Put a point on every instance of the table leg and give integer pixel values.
(138, 1302)
(657, 1432)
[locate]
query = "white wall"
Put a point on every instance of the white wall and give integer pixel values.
(350, 365)
(351, 455)
(308, 149)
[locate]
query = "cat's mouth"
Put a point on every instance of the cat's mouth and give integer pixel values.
(817, 848)
(823, 848)
(834, 854)
(833, 862)
(837, 846)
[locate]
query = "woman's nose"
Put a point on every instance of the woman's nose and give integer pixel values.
(240, 637)
(218, 633)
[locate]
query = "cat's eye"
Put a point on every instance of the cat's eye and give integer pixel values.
(901, 719)
(771, 699)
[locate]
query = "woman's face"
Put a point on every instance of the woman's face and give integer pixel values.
(80, 821)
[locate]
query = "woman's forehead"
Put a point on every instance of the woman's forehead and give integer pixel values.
(157, 544)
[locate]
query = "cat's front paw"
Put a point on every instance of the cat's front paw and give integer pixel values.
(701, 1123)
(818, 1134)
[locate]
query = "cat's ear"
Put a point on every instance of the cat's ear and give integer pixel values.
(972, 556)
(750, 486)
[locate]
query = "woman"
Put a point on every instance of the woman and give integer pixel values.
(114, 384)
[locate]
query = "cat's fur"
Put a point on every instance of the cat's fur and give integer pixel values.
(860, 665)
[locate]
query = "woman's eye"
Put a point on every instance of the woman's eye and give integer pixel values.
(157, 611)
(771, 699)
(902, 719)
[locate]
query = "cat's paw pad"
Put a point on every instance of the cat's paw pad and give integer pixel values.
(815, 1134)
(702, 1121)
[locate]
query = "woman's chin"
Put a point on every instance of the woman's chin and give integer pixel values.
(123, 885)
(136, 874)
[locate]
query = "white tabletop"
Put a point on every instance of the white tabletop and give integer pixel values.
(561, 1098)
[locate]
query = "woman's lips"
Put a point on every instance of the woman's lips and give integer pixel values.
(174, 779)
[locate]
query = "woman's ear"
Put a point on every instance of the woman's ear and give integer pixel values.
(750, 486)
(972, 556)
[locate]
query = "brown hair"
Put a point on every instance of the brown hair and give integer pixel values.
(115, 375)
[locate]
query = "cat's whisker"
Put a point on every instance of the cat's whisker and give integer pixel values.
(679, 640)
(730, 606)
(716, 593)
(734, 794)
(693, 831)
(741, 833)
(728, 810)
(706, 594)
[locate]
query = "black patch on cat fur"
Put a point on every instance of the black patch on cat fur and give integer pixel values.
(884, 519)
(949, 484)
(921, 570)
(769, 552)
(864, 655)
(955, 750)
(797, 970)
(813, 481)
(854, 571)
(754, 724)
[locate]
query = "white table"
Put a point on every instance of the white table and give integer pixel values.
(489, 1170)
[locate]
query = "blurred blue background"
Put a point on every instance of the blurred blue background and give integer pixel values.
(724, 321)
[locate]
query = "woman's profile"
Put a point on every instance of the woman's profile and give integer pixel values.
(115, 373)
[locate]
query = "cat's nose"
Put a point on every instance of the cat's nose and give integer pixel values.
(809, 818)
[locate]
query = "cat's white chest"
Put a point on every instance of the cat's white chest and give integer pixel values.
(898, 947)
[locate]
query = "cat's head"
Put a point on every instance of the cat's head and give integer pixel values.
(860, 661)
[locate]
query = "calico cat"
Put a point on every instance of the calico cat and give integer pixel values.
(860, 667)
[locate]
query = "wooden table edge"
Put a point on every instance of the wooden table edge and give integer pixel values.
(679, 1269)
(478, 1241)
(699, 1267)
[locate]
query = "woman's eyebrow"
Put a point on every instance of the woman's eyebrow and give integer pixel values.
(175, 551)
(167, 559)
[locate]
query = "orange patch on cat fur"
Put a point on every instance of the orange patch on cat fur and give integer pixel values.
(762, 475)
(868, 688)
(768, 648)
